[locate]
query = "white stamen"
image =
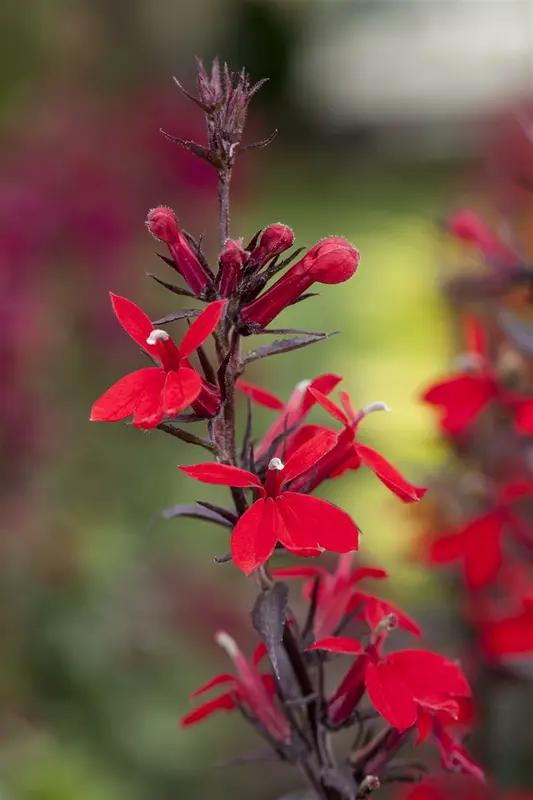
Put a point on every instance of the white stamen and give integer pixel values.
(157, 335)
(276, 463)
(379, 405)
(388, 623)
(230, 645)
(302, 386)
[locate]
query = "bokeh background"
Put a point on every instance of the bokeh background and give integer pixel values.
(107, 615)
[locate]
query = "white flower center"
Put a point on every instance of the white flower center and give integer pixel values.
(157, 335)
(276, 463)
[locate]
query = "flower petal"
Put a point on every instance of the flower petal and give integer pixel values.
(338, 644)
(462, 397)
(429, 674)
(218, 680)
(308, 454)
(149, 410)
(223, 703)
(121, 400)
(389, 697)
(255, 535)
(221, 474)
(324, 384)
(134, 321)
(260, 396)
(297, 572)
(524, 416)
(361, 573)
(389, 475)
(323, 522)
(202, 327)
(330, 406)
(181, 389)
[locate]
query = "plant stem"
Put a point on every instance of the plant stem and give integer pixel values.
(224, 179)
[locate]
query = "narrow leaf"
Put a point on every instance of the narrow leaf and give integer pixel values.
(184, 314)
(268, 618)
(285, 346)
(229, 515)
(195, 512)
(170, 286)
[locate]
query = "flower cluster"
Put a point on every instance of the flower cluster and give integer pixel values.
(386, 695)
(486, 412)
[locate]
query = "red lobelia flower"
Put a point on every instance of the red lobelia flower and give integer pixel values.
(462, 396)
(338, 596)
(454, 757)
(150, 393)
(510, 637)
(402, 684)
(478, 544)
(253, 689)
(301, 523)
(467, 226)
(291, 414)
(351, 454)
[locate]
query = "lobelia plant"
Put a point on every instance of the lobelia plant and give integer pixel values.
(386, 698)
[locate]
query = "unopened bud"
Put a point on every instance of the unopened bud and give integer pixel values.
(369, 784)
(163, 225)
(232, 259)
(274, 240)
(468, 226)
(332, 260)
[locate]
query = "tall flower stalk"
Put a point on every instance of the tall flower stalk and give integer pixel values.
(385, 699)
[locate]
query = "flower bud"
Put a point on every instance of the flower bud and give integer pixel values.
(274, 240)
(468, 226)
(163, 225)
(232, 259)
(332, 260)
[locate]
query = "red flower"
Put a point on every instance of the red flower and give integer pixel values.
(351, 454)
(338, 596)
(454, 757)
(462, 396)
(332, 260)
(510, 637)
(292, 413)
(251, 688)
(150, 393)
(468, 226)
(163, 225)
(299, 522)
(478, 544)
(400, 685)
(450, 787)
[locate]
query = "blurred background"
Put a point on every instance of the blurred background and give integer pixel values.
(107, 616)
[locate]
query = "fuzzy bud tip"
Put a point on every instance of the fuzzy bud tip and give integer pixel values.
(163, 224)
